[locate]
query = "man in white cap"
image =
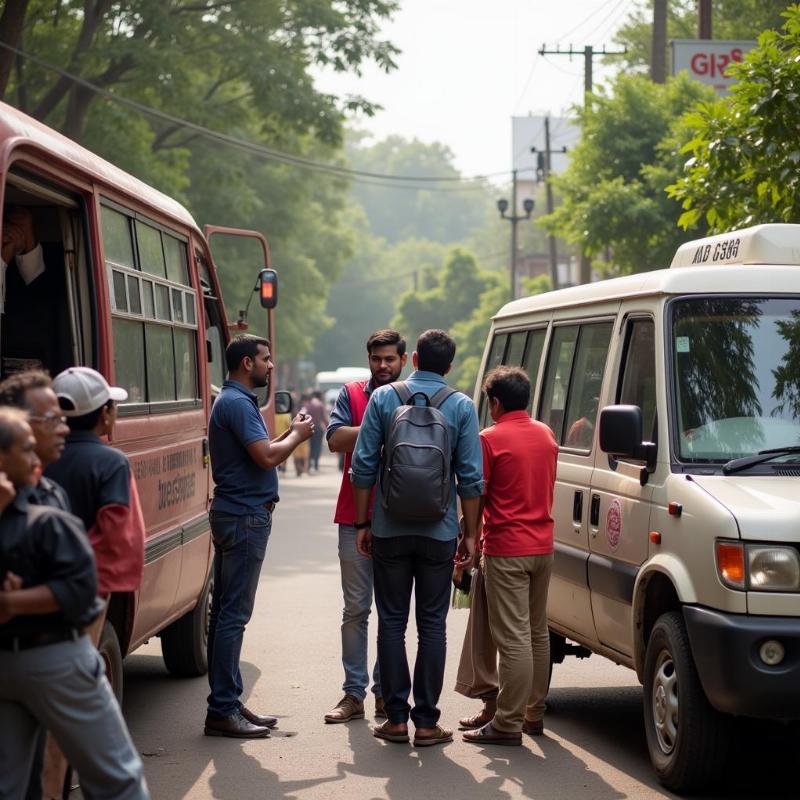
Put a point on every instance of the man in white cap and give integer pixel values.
(98, 481)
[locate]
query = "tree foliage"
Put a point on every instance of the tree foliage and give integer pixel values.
(745, 154)
(241, 68)
(613, 192)
(442, 212)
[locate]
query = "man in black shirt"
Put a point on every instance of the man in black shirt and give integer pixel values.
(51, 674)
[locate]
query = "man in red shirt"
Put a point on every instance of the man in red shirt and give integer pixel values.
(519, 466)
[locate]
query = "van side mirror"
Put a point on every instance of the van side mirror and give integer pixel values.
(621, 435)
(268, 288)
(283, 403)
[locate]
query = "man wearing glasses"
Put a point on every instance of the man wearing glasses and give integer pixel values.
(32, 391)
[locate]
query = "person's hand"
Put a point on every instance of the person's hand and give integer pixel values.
(7, 492)
(12, 582)
(303, 425)
(465, 553)
(7, 610)
(364, 542)
(13, 241)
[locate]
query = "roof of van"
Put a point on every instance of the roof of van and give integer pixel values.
(18, 129)
(748, 260)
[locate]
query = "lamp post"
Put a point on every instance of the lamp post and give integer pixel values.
(514, 218)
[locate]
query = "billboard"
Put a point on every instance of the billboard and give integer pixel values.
(707, 59)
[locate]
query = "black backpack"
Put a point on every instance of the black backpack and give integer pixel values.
(416, 464)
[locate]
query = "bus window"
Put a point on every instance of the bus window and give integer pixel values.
(154, 322)
(496, 353)
(556, 384)
(515, 349)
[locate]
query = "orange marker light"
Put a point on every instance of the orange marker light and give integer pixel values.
(655, 537)
(267, 291)
(730, 564)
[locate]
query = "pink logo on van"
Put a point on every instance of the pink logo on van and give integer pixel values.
(614, 524)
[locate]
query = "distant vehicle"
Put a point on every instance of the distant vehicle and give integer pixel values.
(329, 383)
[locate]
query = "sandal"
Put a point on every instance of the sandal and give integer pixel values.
(381, 732)
(490, 735)
(439, 736)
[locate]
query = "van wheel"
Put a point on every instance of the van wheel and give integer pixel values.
(183, 643)
(686, 737)
(110, 652)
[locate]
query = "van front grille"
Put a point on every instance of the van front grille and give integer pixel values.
(788, 473)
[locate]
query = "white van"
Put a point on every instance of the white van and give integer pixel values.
(330, 382)
(675, 398)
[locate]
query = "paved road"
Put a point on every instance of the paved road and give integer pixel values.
(594, 746)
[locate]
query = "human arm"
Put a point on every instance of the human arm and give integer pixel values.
(23, 602)
(470, 465)
(364, 535)
(269, 453)
(341, 433)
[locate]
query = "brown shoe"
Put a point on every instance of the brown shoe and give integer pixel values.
(533, 727)
(347, 708)
(235, 726)
(488, 734)
(440, 735)
(478, 721)
(263, 720)
(380, 708)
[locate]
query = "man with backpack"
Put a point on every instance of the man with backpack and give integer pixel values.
(417, 438)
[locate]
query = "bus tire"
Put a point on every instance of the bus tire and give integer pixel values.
(110, 652)
(687, 739)
(183, 643)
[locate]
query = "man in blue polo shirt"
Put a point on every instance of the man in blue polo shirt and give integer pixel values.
(243, 465)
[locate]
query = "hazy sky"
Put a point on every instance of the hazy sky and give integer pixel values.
(468, 66)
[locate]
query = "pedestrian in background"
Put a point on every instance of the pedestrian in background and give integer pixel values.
(418, 554)
(243, 465)
(302, 453)
(519, 468)
(52, 674)
(319, 415)
(386, 356)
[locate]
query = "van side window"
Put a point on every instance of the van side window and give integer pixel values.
(515, 349)
(559, 369)
(533, 358)
(153, 309)
(496, 353)
(638, 378)
(587, 380)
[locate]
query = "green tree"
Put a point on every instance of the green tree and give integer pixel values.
(613, 193)
(442, 212)
(732, 19)
(745, 157)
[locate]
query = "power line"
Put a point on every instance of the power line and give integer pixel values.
(289, 159)
(585, 20)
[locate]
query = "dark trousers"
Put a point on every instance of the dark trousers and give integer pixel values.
(400, 563)
(240, 543)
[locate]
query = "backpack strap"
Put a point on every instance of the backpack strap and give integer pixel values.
(402, 391)
(437, 400)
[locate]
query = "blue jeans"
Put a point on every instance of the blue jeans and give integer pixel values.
(240, 543)
(403, 563)
(357, 592)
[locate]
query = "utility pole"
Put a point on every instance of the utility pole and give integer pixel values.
(704, 19)
(551, 240)
(658, 58)
(588, 53)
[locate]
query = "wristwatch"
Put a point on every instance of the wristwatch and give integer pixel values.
(359, 526)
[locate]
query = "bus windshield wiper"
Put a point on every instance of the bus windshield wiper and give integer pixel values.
(738, 464)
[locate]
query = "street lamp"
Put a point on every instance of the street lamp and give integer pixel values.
(514, 218)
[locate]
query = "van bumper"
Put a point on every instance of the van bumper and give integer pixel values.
(735, 679)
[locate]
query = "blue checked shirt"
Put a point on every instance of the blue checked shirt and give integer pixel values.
(467, 461)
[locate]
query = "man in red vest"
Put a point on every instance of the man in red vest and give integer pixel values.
(387, 357)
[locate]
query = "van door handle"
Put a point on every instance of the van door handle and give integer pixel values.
(577, 509)
(594, 512)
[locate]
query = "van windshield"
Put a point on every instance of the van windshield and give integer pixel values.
(736, 367)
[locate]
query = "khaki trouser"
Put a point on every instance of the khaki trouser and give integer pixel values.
(477, 669)
(516, 593)
(55, 766)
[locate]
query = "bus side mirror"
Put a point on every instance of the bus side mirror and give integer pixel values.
(268, 288)
(283, 403)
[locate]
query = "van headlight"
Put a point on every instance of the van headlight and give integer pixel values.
(773, 569)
